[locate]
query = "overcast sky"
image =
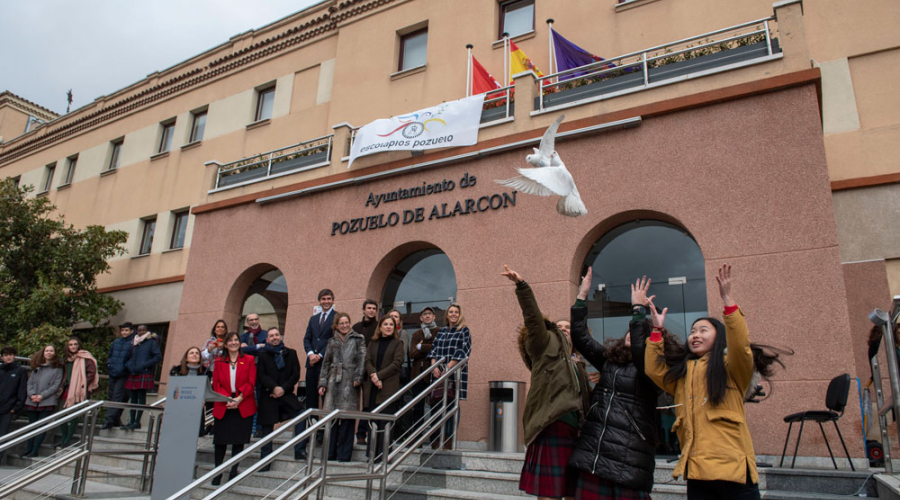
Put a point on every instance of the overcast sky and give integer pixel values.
(96, 47)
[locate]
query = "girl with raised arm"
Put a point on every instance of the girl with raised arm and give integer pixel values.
(709, 383)
(615, 451)
(557, 398)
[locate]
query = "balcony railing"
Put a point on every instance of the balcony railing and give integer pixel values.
(291, 159)
(741, 45)
(499, 105)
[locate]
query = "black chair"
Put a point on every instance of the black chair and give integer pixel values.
(835, 401)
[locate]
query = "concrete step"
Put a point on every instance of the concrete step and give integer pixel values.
(58, 486)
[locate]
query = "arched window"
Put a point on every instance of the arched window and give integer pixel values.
(424, 278)
(664, 253)
(268, 297)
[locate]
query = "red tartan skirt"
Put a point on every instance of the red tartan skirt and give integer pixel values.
(139, 382)
(591, 487)
(546, 471)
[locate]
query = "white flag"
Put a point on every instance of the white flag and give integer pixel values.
(453, 123)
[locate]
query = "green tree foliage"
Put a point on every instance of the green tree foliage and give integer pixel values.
(48, 271)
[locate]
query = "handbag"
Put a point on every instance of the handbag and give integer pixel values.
(437, 394)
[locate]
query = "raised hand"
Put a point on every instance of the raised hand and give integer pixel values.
(724, 281)
(639, 292)
(512, 275)
(585, 287)
(658, 318)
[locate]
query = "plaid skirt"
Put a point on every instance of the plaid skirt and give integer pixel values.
(546, 471)
(591, 487)
(139, 382)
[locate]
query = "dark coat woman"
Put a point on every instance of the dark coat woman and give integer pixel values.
(234, 420)
(343, 373)
(616, 449)
(384, 358)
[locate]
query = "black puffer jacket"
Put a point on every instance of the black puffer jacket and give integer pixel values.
(618, 438)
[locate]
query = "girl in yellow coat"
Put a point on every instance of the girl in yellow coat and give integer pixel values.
(709, 382)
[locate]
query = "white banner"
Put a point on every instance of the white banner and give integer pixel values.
(449, 124)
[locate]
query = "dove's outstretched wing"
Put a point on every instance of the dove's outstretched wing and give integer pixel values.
(548, 142)
(544, 181)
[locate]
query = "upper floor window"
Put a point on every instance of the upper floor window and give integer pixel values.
(265, 101)
(70, 170)
(115, 154)
(412, 49)
(179, 229)
(516, 17)
(198, 125)
(147, 236)
(49, 170)
(165, 139)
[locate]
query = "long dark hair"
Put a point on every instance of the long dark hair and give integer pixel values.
(677, 354)
(617, 352)
(212, 333)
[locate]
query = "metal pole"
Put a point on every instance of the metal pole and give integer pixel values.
(553, 62)
(506, 59)
(320, 493)
(456, 415)
(882, 420)
(385, 455)
(469, 70)
(890, 354)
(146, 462)
(646, 70)
(768, 39)
(155, 450)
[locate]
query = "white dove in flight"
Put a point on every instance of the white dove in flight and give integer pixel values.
(549, 177)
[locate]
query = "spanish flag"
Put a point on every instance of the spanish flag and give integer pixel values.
(519, 62)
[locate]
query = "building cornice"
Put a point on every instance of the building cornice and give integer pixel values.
(7, 98)
(187, 78)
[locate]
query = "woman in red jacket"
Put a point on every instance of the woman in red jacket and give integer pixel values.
(234, 376)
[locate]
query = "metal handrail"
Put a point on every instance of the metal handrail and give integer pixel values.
(600, 68)
(887, 322)
(507, 96)
(81, 454)
(317, 478)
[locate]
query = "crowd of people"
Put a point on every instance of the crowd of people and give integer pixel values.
(582, 442)
(601, 444)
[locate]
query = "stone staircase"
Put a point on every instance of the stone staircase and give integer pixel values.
(467, 474)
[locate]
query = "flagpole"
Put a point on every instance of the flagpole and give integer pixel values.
(553, 67)
(469, 70)
(506, 74)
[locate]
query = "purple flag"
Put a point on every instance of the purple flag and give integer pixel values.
(570, 56)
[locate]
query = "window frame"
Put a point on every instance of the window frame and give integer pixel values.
(504, 9)
(49, 172)
(176, 225)
(71, 163)
(115, 155)
(148, 223)
(403, 38)
(195, 115)
(260, 96)
(166, 136)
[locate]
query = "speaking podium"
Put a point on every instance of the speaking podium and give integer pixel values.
(182, 419)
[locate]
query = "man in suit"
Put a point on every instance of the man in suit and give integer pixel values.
(315, 341)
(278, 371)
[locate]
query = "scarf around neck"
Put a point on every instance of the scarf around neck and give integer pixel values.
(140, 338)
(427, 327)
(279, 354)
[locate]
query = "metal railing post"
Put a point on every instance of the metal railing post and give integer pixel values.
(155, 450)
(882, 419)
(81, 469)
(269, 168)
(385, 457)
(326, 447)
(768, 38)
(646, 69)
(890, 351)
(147, 443)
